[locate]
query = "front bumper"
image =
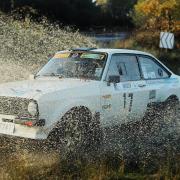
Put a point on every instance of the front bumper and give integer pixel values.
(10, 128)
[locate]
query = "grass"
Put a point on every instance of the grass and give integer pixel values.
(23, 164)
(142, 155)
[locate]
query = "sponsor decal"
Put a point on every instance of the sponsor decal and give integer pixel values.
(106, 106)
(107, 96)
(61, 55)
(128, 101)
(92, 56)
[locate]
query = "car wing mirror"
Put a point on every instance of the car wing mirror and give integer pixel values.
(113, 79)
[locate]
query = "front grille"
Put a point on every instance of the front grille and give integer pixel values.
(14, 106)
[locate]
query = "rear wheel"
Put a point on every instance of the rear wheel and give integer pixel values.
(171, 116)
(163, 119)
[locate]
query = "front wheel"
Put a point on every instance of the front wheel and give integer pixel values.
(76, 132)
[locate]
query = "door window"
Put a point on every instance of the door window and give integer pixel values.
(125, 66)
(151, 70)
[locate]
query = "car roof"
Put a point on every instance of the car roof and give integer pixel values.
(112, 51)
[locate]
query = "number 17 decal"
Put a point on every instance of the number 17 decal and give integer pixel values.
(126, 97)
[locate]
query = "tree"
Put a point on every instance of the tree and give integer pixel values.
(117, 11)
(101, 2)
(5, 5)
(156, 14)
(75, 12)
(120, 8)
(177, 10)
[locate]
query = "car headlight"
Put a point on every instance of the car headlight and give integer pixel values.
(33, 108)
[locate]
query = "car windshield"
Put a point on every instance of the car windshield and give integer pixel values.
(83, 65)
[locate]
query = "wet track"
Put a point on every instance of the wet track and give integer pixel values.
(136, 144)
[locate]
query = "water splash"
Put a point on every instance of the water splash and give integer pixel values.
(26, 45)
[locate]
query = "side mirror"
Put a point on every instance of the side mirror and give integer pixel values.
(113, 79)
(31, 77)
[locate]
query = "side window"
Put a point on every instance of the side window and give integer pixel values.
(125, 66)
(151, 70)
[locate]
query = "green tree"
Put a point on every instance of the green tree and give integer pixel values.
(118, 10)
(77, 12)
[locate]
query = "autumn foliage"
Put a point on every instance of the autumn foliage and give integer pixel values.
(159, 15)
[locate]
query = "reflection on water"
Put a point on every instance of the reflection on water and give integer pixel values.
(106, 38)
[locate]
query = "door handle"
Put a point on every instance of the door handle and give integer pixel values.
(142, 85)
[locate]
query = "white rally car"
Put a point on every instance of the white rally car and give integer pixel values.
(82, 90)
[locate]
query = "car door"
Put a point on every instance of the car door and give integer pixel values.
(157, 78)
(126, 100)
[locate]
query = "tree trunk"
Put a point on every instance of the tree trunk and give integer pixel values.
(12, 5)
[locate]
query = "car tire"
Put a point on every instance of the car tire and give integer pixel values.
(171, 116)
(76, 132)
(163, 118)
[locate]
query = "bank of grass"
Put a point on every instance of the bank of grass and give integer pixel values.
(27, 45)
(49, 165)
